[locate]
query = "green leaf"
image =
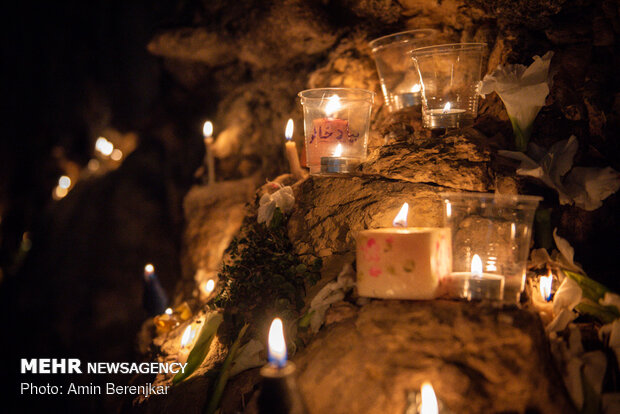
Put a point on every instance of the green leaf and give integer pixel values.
(201, 349)
(304, 321)
(605, 314)
(222, 379)
(591, 289)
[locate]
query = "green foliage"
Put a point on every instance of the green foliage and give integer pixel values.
(263, 271)
(201, 349)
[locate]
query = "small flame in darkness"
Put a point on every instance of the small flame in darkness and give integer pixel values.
(401, 218)
(288, 133)
(277, 345)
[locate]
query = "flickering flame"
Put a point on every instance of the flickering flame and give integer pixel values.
(209, 286)
(416, 88)
(207, 129)
(64, 182)
(333, 105)
(545, 286)
(448, 209)
(117, 154)
(168, 311)
(338, 151)
(104, 146)
(401, 218)
(288, 133)
(447, 107)
(149, 268)
(188, 335)
(429, 400)
(277, 345)
(476, 266)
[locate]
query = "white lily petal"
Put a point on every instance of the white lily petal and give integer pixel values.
(567, 296)
(561, 321)
(248, 357)
(611, 299)
(588, 187)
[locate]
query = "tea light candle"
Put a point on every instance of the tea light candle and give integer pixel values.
(443, 118)
(207, 132)
(279, 392)
(337, 163)
(291, 152)
(402, 262)
(475, 285)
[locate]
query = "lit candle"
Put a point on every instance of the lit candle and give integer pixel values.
(545, 286)
(402, 262)
(207, 132)
(186, 341)
(291, 152)
(429, 400)
(208, 287)
(154, 297)
(442, 118)
(475, 285)
(279, 392)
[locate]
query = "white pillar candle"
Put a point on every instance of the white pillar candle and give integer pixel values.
(402, 262)
(291, 152)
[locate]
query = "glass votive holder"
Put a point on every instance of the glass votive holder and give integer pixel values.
(490, 232)
(336, 122)
(450, 78)
(400, 81)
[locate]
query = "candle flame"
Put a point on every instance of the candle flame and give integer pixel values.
(448, 209)
(338, 151)
(207, 129)
(149, 268)
(476, 266)
(104, 146)
(277, 345)
(416, 88)
(64, 182)
(545, 286)
(401, 218)
(288, 133)
(168, 311)
(187, 336)
(447, 107)
(209, 286)
(333, 105)
(429, 400)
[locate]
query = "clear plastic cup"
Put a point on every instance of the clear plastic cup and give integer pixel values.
(336, 122)
(399, 78)
(450, 77)
(495, 227)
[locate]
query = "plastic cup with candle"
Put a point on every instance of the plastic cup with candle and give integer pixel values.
(207, 132)
(279, 392)
(399, 79)
(475, 285)
(497, 228)
(449, 75)
(335, 116)
(291, 152)
(402, 262)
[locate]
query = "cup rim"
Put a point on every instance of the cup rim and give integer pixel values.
(375, 43)
(369, 94)
(450, 48)
(493, 197)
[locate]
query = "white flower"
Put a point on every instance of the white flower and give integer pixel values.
(283, 198)
(584, 187)
(523, 91)
(331, 293)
